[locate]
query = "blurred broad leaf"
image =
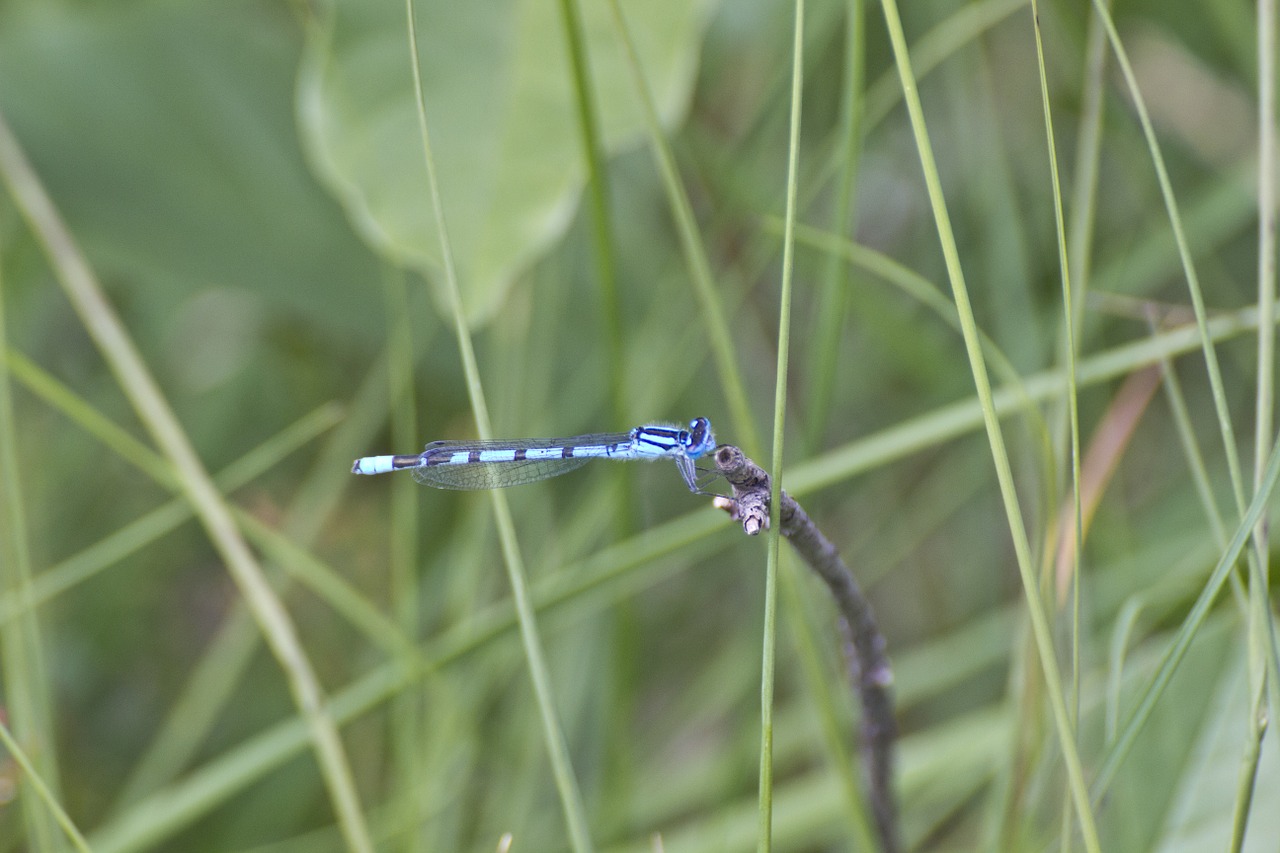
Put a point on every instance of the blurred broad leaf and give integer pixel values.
(502, 114)
(165, 134)
(1201, 817)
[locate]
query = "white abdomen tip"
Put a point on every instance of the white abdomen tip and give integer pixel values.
(372, 465)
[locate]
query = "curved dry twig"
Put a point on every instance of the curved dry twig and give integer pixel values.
(864, 644)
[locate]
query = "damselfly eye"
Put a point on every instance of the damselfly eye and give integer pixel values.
(700, 438)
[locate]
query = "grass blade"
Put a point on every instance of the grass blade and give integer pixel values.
(1021, 544)
(553, 733)
(140, 387)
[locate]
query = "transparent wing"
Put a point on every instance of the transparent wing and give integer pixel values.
(500, 474)
(495, 475)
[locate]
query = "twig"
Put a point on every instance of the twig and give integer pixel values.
(864, 644)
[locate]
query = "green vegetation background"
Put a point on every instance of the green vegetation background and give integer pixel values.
(246, 180)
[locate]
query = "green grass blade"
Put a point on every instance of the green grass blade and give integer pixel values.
(602, 227)
(765, 842)
(328, 585)
(610, 575)
(408, 715)
(1181, 642)
(1263, 432)
(553, 733)
(114, 437)
(212, 682)
(1198, 469)
(1265, 661)
(713, 315)
(27, 689)
(1184, 254)
(940, 43)
(917, 287)
(834, 735)
(1084, 193)
(140, 387)
(955, 419)
(1262, 624)
(602, 238)
(833, 299)
(1256, 731)
(1035, 606)
(1069, 303)
(46, 796)
(127, 540)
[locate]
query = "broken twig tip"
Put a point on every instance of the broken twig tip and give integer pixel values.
(753, 518)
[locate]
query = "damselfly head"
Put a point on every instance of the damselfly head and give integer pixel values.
(701, 438)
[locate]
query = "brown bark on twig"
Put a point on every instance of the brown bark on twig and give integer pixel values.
(865, 645)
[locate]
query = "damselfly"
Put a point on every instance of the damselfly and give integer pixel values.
(496, 464)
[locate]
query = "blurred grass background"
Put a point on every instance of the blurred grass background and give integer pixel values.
(247, 182)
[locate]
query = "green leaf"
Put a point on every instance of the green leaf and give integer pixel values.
(1201, 816)
(166, 135)
(503, 118)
